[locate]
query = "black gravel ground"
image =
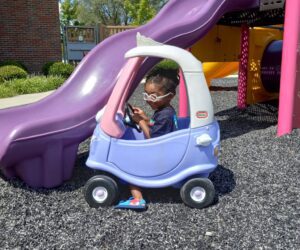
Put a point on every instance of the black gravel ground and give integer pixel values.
(256, 206)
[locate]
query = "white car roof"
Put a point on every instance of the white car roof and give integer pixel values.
(200, 103)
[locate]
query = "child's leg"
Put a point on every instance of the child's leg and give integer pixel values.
(135, 202)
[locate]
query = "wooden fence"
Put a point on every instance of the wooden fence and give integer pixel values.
(106, 31)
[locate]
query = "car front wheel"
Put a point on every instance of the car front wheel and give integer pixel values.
(100, 190)
(198, 192)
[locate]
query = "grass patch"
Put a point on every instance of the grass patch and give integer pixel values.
(30, 85)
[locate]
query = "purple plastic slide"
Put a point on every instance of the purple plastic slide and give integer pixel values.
(39, 141)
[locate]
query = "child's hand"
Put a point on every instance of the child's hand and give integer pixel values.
(137, 118)
(139, 114)
(139, 111)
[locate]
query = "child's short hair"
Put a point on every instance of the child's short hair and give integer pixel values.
(167, 79)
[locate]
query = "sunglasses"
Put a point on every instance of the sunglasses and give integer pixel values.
(154, 97)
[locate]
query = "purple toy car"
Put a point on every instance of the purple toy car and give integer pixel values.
(183, 158)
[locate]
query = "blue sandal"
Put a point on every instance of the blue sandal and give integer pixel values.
(132, 203)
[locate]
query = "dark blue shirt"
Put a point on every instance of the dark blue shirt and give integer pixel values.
(163, 122)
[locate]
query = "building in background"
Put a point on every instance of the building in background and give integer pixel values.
(30, 32)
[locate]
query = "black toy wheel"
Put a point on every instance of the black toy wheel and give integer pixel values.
(198, 192)
(100, 190)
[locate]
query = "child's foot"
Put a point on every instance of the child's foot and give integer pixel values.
(132, 203)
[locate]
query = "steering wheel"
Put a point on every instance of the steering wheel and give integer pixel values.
(128, 120)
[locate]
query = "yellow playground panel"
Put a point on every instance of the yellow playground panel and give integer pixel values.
(259, 39)
(214, 70)
(220, 44)
(219, 51)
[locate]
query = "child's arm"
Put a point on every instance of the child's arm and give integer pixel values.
(142, 120)
(145, 128)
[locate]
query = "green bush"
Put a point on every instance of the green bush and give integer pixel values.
(6, 91)
(166, 68)
(12, 72)
(46, 67)
(14, 63)
(35, 84)
(167, 65)
(61, 69)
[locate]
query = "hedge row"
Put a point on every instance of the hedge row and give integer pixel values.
(35, 84)
(14, 79)
(14, 70)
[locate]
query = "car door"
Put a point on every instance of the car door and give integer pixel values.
(149, 157)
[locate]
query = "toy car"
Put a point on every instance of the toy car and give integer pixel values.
(183, 158)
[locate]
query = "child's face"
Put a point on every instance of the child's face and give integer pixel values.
(151, 88)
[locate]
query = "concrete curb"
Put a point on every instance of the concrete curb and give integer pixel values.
(22, 99)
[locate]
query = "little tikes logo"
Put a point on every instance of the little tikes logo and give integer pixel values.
(202, 114)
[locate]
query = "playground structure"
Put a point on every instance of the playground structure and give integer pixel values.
(39, 141)
(219, 50)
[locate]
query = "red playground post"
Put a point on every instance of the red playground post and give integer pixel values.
(243, 68)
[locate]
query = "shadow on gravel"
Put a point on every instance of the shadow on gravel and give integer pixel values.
(80, 175)
(234, 122)
(220, 88)
(222, 178)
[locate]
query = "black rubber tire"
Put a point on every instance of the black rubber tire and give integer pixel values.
(204, 183)
(105, 182)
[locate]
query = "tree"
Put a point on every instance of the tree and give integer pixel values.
(68, 12)
(118, 12)
(139, 11)
(107, 12)
(158, 4)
